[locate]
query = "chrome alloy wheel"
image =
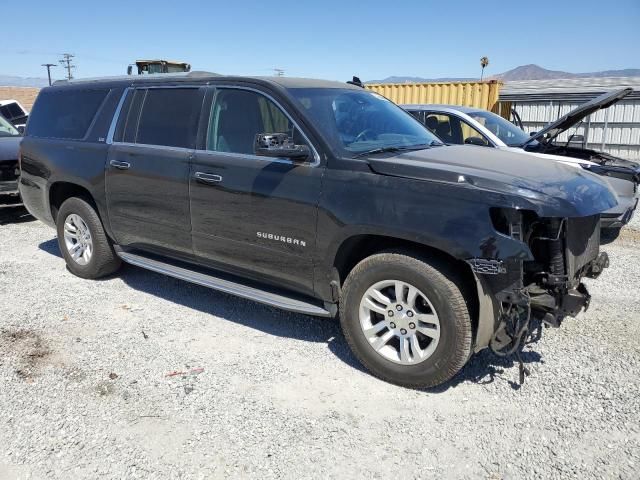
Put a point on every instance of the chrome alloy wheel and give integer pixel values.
(399, 322)
(77, 239)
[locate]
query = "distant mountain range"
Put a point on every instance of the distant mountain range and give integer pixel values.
(524, 72)
(14, 81)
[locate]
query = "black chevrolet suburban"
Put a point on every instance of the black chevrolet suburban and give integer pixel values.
(316, 197)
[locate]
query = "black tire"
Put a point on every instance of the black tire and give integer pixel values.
(441, 284)
(609, 234)
(104, 260)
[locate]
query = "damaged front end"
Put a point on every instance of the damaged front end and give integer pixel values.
(543, 287)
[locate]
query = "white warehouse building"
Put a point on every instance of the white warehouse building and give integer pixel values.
(615, 130)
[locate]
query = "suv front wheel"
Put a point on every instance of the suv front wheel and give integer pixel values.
(83, 241)
(406, 320)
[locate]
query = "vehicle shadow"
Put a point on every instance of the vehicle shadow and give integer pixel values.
(483, 368)
(12, 211)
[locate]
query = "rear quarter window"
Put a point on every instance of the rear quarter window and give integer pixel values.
(65, 114)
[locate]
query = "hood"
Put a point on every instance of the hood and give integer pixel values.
(553, 188)
(9, 148)
(574, 116)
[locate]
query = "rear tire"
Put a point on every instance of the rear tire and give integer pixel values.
(81, 235)
(609, 235)
(413, 363)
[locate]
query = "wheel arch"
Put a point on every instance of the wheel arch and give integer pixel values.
(482, 306)
(60, 191)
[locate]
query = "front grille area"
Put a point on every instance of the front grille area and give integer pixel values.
(582, 242)
(8, 171)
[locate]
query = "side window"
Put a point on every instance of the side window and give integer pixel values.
(237, 116)
(446, 127)
(66, 113)
(418, 114)
(472, 136)
(169, 117)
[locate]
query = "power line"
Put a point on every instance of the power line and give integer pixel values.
(49, 65)
(66, 62)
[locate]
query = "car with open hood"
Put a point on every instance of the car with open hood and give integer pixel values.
(473, 126)
(319, 198)
(14, 113)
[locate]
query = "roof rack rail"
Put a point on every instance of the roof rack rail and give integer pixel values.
(203, 73)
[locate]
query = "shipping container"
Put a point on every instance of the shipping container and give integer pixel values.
(469, 94)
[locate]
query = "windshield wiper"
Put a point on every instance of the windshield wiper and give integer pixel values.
(394, 148)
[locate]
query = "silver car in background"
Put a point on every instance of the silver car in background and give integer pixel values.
(455, 124)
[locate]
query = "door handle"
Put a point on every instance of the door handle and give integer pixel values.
(120, 165)
(207, 177)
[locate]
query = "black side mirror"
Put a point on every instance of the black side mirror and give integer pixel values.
(531, 134)
(20, 129)
(475, 141)
(279, 145)
(129, 69)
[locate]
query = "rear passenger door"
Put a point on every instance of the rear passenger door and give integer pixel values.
(147, 176)
(255, 215)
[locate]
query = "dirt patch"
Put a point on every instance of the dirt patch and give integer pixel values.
(27, 349)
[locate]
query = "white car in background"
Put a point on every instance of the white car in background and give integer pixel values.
(15, 113)
(455, 124)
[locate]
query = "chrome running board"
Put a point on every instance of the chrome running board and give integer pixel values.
(223, 285)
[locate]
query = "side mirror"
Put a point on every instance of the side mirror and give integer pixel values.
(531, 134)
(20, 129)
(129, 69)
(475, 141)
(279, 145)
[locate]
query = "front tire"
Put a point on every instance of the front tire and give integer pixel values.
(83, 241)
(406, 320)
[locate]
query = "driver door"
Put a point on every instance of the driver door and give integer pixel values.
(251, 214)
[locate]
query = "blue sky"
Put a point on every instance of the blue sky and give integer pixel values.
(324, 39)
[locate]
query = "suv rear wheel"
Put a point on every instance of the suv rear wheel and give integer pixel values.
(406, 320)
(83, 241)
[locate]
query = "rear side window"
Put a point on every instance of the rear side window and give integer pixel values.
(65, 114)
(170, 117)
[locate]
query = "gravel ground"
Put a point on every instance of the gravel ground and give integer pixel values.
(85, 390)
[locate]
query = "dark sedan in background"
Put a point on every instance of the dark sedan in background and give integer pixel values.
(9, 170)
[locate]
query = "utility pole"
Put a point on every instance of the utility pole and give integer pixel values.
(66, 63)
(49, 65)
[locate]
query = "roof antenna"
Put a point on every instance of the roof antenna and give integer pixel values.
(356, 81)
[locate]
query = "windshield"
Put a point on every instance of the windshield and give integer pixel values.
(6, 129)
(501, 128)
(357, 121)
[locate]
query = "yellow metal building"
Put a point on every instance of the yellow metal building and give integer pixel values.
(469, 94)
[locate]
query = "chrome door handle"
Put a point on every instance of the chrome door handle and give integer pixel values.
(120, 165)
(207, 177)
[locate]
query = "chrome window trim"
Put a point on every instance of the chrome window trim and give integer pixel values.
(249, 156)
(150, 145)
(116, 116)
